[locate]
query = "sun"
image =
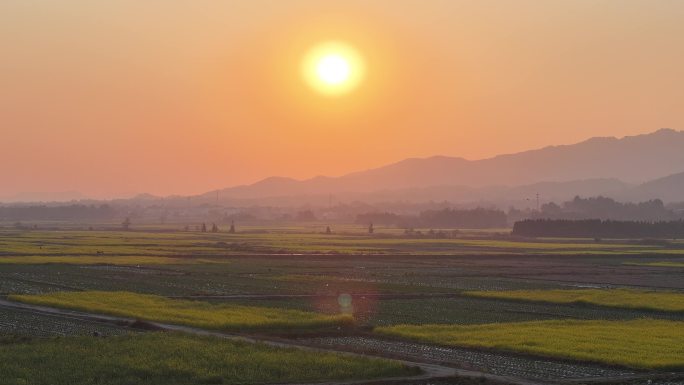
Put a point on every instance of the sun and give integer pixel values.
(333, 68)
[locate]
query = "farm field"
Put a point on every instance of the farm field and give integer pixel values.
(493, 362)
(102, 260)
(461, 310)
(256, 284)
(621, 298)
(270, 240)
(660, 264)
(226, 317)
(156, 358)
(28, 323)
(644, 343)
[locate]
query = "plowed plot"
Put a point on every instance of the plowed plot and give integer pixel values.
(646, 344)
(174, 359)
(245, 277)
(451, 310)
(465, 311)
(490, 362)
(21, 322)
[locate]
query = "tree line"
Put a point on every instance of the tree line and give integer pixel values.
(607, 208)
(67, 212)
(479, 218)
(596, 228)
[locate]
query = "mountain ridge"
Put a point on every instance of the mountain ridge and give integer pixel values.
(658, 154)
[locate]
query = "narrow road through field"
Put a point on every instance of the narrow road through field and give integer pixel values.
(430, 370)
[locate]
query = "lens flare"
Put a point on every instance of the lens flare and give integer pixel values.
(345, 302)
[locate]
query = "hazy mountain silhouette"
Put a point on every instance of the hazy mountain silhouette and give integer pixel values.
(669, 189)
(502, 196)
(588, 164)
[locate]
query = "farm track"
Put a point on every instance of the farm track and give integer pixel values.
(430, 370)
(432, 367)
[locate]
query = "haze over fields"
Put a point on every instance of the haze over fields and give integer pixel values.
(634, 168)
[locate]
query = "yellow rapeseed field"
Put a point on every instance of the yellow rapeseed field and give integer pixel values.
(643, 343)
(192, 313)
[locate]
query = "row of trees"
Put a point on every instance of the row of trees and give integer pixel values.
(596, 228)
(126, 225)
(608, 208)
(214, 229)
(68, 212)
(478, 218)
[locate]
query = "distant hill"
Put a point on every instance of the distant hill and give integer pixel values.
(669, 189)
(588, 165)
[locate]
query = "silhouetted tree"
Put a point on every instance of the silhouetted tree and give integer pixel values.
(214, 228)
(204, 228)
(371, 229)
(126, 224)
(327, 230)
(232, 227)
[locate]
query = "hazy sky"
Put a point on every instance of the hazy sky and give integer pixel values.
(161, 96)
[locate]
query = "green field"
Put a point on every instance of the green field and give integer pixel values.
(644, 344)
(297, 240)
(622, 298)
(658, 264)
(226, 317)
(175, 359)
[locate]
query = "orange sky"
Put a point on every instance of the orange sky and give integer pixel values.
(178, 97)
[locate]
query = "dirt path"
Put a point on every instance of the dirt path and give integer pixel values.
(430, 370)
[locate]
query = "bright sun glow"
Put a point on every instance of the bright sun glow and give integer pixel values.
(333, 68)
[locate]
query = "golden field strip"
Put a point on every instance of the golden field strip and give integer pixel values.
(642, 344)
(345, 239)
(227, 317)
(620, 298)
(105, 260)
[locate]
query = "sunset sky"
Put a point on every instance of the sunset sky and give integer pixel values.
(111, 98)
